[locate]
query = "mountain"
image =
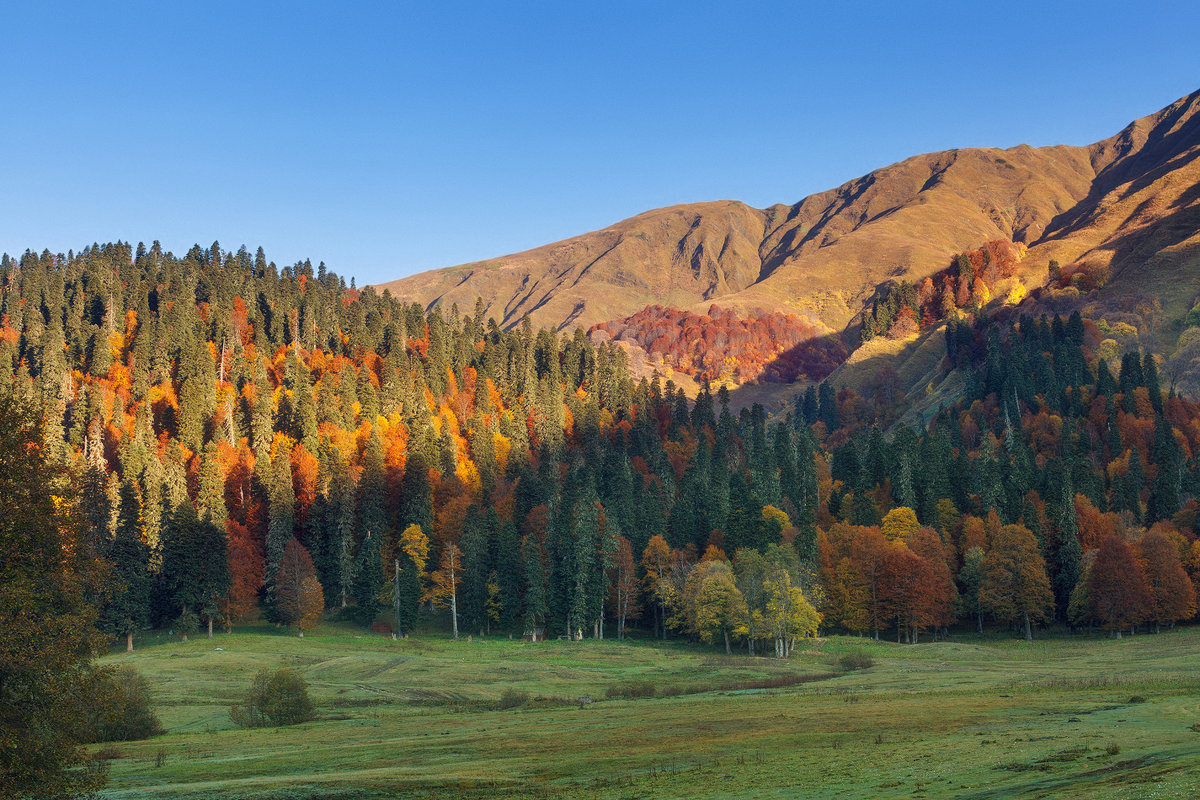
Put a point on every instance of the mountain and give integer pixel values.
(1140, 219)
(673, 256)
(1125, 207)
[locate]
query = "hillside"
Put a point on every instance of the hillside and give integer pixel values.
(673, 256)
(1141, 216)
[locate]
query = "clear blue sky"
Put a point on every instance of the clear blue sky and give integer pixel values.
(389, 138)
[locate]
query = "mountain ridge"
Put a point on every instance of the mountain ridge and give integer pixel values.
(824, 256)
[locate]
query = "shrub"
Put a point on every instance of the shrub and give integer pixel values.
(278, 697)
(855, 661)
(512, 698)
(187, 624)
(1112, 748)
(632, 689)
(108, 752)
(121, 709)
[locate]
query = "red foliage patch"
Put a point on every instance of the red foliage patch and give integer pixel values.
(775, 347)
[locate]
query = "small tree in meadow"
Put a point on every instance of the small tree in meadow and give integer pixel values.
(276, 697)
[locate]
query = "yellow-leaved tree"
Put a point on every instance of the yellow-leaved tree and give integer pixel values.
(714, 606)
(788, 615)
(899, 524)
(656, 561)
(444, 583)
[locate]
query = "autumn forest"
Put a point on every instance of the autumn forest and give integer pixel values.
(248, 440)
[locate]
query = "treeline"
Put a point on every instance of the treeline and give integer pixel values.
(255, 440)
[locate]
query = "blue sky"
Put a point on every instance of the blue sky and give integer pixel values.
(389, 138)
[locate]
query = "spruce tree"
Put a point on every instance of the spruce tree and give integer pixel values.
(128, 607)
(1069, 555)
(281, 525)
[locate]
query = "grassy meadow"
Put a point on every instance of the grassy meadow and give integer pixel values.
(975, 717)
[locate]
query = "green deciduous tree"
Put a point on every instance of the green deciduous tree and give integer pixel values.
(47, 626)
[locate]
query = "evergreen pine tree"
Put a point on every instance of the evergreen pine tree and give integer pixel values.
(281, 525)
(128, 607)
(1069, 555)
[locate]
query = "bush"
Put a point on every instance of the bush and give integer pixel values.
(278, 697)
(187, 624)
(855, 661)
(512, 698)
(632, 689)
(120, 710)
(108, 752)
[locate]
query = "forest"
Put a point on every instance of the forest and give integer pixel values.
(246, 440)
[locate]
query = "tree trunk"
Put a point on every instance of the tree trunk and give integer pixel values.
(129, 642)
(979, 622)
(727, 650)
(210, 627)
(1028, 630)
(300, 632)
(1156, 627)
(395, 594)
(454, 610)
(1118, 633)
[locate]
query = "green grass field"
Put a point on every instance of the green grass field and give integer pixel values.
(970, 718)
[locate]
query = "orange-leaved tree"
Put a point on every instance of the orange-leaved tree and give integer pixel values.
(624, 579)
(299, 599)
(1015, 586)
(1172, 595)
(1117, 593)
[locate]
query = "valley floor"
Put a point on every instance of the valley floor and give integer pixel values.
(974, 717)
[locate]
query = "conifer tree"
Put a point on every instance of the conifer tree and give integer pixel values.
(128, 607)
(536, 606)
(368, 579)
(282, 520)
(1068, 553)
